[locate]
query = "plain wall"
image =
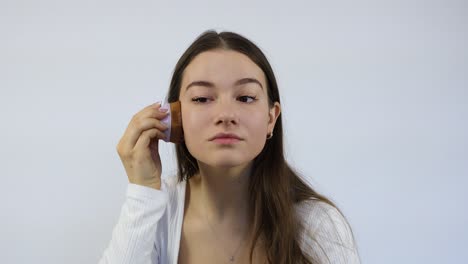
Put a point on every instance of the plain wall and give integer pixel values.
(374, 97)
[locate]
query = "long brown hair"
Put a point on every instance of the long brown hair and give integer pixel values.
(274, 187)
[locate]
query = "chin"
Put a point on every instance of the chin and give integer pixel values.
(226, 163)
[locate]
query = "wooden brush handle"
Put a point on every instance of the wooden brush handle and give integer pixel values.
(177, 133)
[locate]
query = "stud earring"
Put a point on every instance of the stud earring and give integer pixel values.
(270, 135)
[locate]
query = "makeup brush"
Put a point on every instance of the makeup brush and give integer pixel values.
(174, 133)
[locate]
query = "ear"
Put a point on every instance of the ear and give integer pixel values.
(273, 114)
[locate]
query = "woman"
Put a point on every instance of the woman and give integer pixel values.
(235, 199)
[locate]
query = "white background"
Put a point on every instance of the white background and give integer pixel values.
(374, 100)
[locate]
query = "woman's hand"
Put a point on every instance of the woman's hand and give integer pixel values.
(138, 147)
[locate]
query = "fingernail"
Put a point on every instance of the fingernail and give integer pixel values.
(163, 110)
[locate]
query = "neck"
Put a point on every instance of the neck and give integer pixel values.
(222, 193)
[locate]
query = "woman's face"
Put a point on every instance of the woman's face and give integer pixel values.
(225, 92)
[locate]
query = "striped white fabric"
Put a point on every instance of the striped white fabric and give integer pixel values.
(149, 228)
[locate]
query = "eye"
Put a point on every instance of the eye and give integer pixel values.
(200, 99)
(246, 97)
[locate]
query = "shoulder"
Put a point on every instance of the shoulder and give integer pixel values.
(173, 187)
(326, 235)
(175, 191)
(169, 183)
(321, 216)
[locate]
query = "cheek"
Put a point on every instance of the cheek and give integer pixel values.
(188, 120)
(257, 124)
(193, 123)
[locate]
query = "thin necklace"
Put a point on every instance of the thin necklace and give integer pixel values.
(231, 256)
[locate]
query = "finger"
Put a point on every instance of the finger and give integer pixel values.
(146, 137)
(154, 111)
(154, 148)
(137, 127)
(134, 130)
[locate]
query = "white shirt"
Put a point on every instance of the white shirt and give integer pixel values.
(149, 228)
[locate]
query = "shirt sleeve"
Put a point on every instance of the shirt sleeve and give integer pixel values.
(327, 236)
(133, 237)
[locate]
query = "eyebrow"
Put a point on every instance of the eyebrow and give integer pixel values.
(211, 85)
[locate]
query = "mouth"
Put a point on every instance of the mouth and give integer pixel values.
(226, 138)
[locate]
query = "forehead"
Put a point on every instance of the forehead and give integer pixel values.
(222, 66)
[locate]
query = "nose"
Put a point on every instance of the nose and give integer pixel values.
(226, 114)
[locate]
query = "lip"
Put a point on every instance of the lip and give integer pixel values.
(225, 137)
(225, 140)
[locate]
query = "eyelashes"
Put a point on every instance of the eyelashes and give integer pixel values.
(244, 99)
(253, 98)
(197, 99)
